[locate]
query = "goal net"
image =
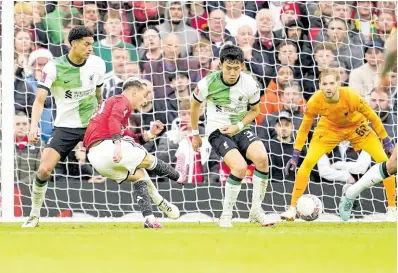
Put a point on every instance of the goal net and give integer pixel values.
(175, 44)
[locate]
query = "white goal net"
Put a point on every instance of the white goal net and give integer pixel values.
(174, 44)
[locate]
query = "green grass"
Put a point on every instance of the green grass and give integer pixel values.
(204, 248)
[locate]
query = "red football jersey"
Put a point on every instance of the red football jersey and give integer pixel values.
(110, 118)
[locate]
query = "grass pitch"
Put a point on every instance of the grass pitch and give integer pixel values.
(204, 248)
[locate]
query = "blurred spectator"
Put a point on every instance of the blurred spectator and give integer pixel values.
(175, 22)
(236, 18)
(384, 26)
(150, 48)
(63, 48)
(23, 46)
(120, 56)
(133, 14)
(52, 22)
(322, 17)
(216, 32)
(27, 156)
(343, 164)
(269, 101)
(265, 44)
(202, 53)
(365, 78)
(324, 56)
(288, 55)
(181, 85)
(113, 30)
(91, 19)
(392, 89)
(364, 19)
(345, 51)
(24, 95)
(280, 148)
(33, 72)
(26, 17)
(292, 102)
(250, 7)
(253, 59)
(76, 166)
(159, 71)
(176, 147)
(380, 102)
(289, 12)
(385, 6)
(198, 15)
(342, 70)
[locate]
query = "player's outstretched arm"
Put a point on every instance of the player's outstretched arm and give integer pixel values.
(37, 111)
(195, 112)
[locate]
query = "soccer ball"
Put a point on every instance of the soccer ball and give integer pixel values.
(309, 207)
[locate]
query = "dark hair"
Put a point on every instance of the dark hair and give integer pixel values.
(175, 75)
(286, 43)
(337, 19)
(21, 114)
(78, 33)
(232, 53)
(293, 84)
(136, 83)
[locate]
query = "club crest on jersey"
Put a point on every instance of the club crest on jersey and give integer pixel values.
(43, 76)
(240, 98)
(91, 78)
(305, 108)
(196, 91)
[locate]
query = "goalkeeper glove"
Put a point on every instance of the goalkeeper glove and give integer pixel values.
(388, 145)
(292, 163)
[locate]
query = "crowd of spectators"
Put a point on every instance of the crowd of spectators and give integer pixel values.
(174, 44)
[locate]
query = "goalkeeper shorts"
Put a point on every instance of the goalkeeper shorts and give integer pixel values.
(101, 157)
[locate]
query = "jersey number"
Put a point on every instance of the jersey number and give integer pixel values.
(250, 135)
(361, 130)
(100, 110)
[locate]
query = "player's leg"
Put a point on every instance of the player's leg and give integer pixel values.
(323, 141)
(58, 147)
(255, 151)
(158, 167)
(391, 164)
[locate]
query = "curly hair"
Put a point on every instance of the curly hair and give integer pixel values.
(79, 32)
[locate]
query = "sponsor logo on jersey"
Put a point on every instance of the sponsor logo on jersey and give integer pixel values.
(68, 94)
(43, 77)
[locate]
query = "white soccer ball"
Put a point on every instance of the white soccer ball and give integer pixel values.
(309, 207)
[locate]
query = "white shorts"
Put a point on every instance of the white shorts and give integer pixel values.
(101, 157)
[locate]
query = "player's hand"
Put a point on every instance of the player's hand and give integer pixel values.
(351, 179)
(157, 127)
(34, 134)
(117, 154)
(292, 163)
(229, 130)
(196, 143)
(388, 146)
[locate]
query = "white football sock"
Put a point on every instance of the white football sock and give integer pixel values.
(38, 195)
(152, 190)
(372, 177)
(259, 189)
(231, 195)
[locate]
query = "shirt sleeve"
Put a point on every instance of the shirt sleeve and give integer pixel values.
(357, 167)
(310, 112)
(361, 106)
(254, 94)
(119, 109)
(48, 76)
(327, 172)
(102, 70)
(201, 91)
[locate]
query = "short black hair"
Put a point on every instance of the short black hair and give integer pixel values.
(79, 32)
(232, 53)
(133, 82)
(179, 73)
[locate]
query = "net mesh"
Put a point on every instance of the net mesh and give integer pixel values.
(174, 46)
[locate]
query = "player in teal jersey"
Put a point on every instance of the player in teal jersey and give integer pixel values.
(232, 103)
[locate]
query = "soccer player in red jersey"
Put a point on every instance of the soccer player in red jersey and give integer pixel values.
(116, 153)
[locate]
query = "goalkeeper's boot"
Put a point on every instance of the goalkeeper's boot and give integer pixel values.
(289, 214)
(152, 222)
(391, 214)
(260, 217)
(169, 209)
(225, 220)
(32, 222)
(345, 208)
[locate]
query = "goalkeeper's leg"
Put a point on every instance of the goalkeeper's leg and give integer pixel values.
(257, 153)
(50, 158)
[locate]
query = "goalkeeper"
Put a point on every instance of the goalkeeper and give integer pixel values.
(344, 116)
(382, 170)
(229, 94)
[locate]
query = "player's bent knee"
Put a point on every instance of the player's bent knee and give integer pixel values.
(239, 170)
(147, 162)
(44, 171)
(261, 163)
(392, 166)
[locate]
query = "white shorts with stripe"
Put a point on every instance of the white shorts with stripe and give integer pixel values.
(101, 157)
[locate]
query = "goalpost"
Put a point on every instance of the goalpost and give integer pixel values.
(73, 199)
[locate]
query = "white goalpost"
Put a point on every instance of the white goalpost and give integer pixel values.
(73, 198)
